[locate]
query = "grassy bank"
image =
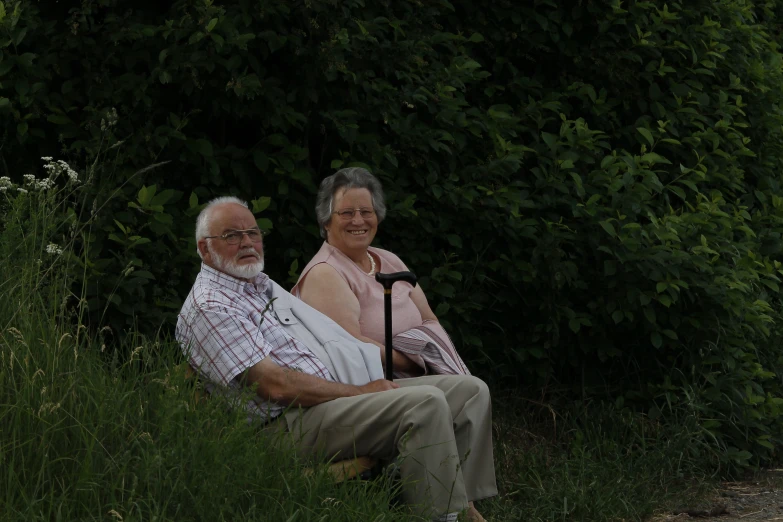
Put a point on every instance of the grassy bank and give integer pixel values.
(85, 435)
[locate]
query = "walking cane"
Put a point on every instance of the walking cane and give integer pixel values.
(387, 280)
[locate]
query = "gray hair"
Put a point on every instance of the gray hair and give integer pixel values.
(344, 179)
(205, 216)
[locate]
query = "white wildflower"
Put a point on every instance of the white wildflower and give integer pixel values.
(3, 189)
(46, 158)
(55, 168)
(44, 184)
(53, 249)
(20, 189)
(29, 179)
(5, 181)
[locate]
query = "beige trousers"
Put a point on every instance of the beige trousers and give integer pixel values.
(440, 428)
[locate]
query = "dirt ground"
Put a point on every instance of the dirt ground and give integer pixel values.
(760, 498)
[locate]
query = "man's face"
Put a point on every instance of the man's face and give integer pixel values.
(244, 260)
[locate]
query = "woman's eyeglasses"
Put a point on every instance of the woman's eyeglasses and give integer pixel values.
(347, 214)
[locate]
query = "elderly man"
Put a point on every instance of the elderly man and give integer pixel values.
(323, 386)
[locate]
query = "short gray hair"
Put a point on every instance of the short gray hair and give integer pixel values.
(344, 179)
(205, 216)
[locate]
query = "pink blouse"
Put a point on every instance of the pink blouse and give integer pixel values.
(405, 314)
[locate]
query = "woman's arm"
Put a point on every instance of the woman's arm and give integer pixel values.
(420, 300)
(323, 287)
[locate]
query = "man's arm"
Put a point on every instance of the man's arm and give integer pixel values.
(291, 387)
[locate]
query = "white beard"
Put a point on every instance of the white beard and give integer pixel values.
(231, 267)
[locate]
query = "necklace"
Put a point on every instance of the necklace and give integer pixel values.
(372, 265)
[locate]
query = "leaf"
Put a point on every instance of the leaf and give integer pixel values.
(162, 197)
(649, 313)
(336, 164)
(391, 158)
(454, 240)
(261, 160)
(476, 38)
(656, 339)
(204, 147)
(444, 289)
(617, 316)
(21, 129)
(606, 225)
(293, 270)
(549, 139)
(57, 118)
(193, 201)
(661, 287)
(678, 190)
(653, 158)
(647, 134)
(211, 25)
(264, 224)
(20, 36)
(574, 325)
(261, 204)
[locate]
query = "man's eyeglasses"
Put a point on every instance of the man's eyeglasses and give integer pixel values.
(346, 214)
(234, 237)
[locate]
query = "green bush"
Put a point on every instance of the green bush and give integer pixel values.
(589, 192)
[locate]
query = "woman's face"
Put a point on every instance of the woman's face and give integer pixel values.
(352, 235)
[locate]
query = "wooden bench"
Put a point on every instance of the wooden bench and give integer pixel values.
(340, 471)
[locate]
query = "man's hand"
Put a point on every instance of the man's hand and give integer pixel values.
(378, 386)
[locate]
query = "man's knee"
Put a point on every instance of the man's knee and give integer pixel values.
(425, 393)
(426, 403)
(473, 386)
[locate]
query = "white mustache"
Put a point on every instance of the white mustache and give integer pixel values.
(246, 252)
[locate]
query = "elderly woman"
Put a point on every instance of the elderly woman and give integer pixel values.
(340, 280)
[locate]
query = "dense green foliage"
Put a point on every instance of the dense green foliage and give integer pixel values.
(589, 191)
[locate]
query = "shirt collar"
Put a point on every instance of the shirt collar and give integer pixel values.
(230, 282)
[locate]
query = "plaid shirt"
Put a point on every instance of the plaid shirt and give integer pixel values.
(223, 330)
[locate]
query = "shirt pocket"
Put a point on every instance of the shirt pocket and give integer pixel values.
(286, 316)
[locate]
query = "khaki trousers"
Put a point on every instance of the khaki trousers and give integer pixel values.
(438, 427)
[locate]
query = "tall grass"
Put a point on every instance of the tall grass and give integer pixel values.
(594, 462)
(86, 437)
